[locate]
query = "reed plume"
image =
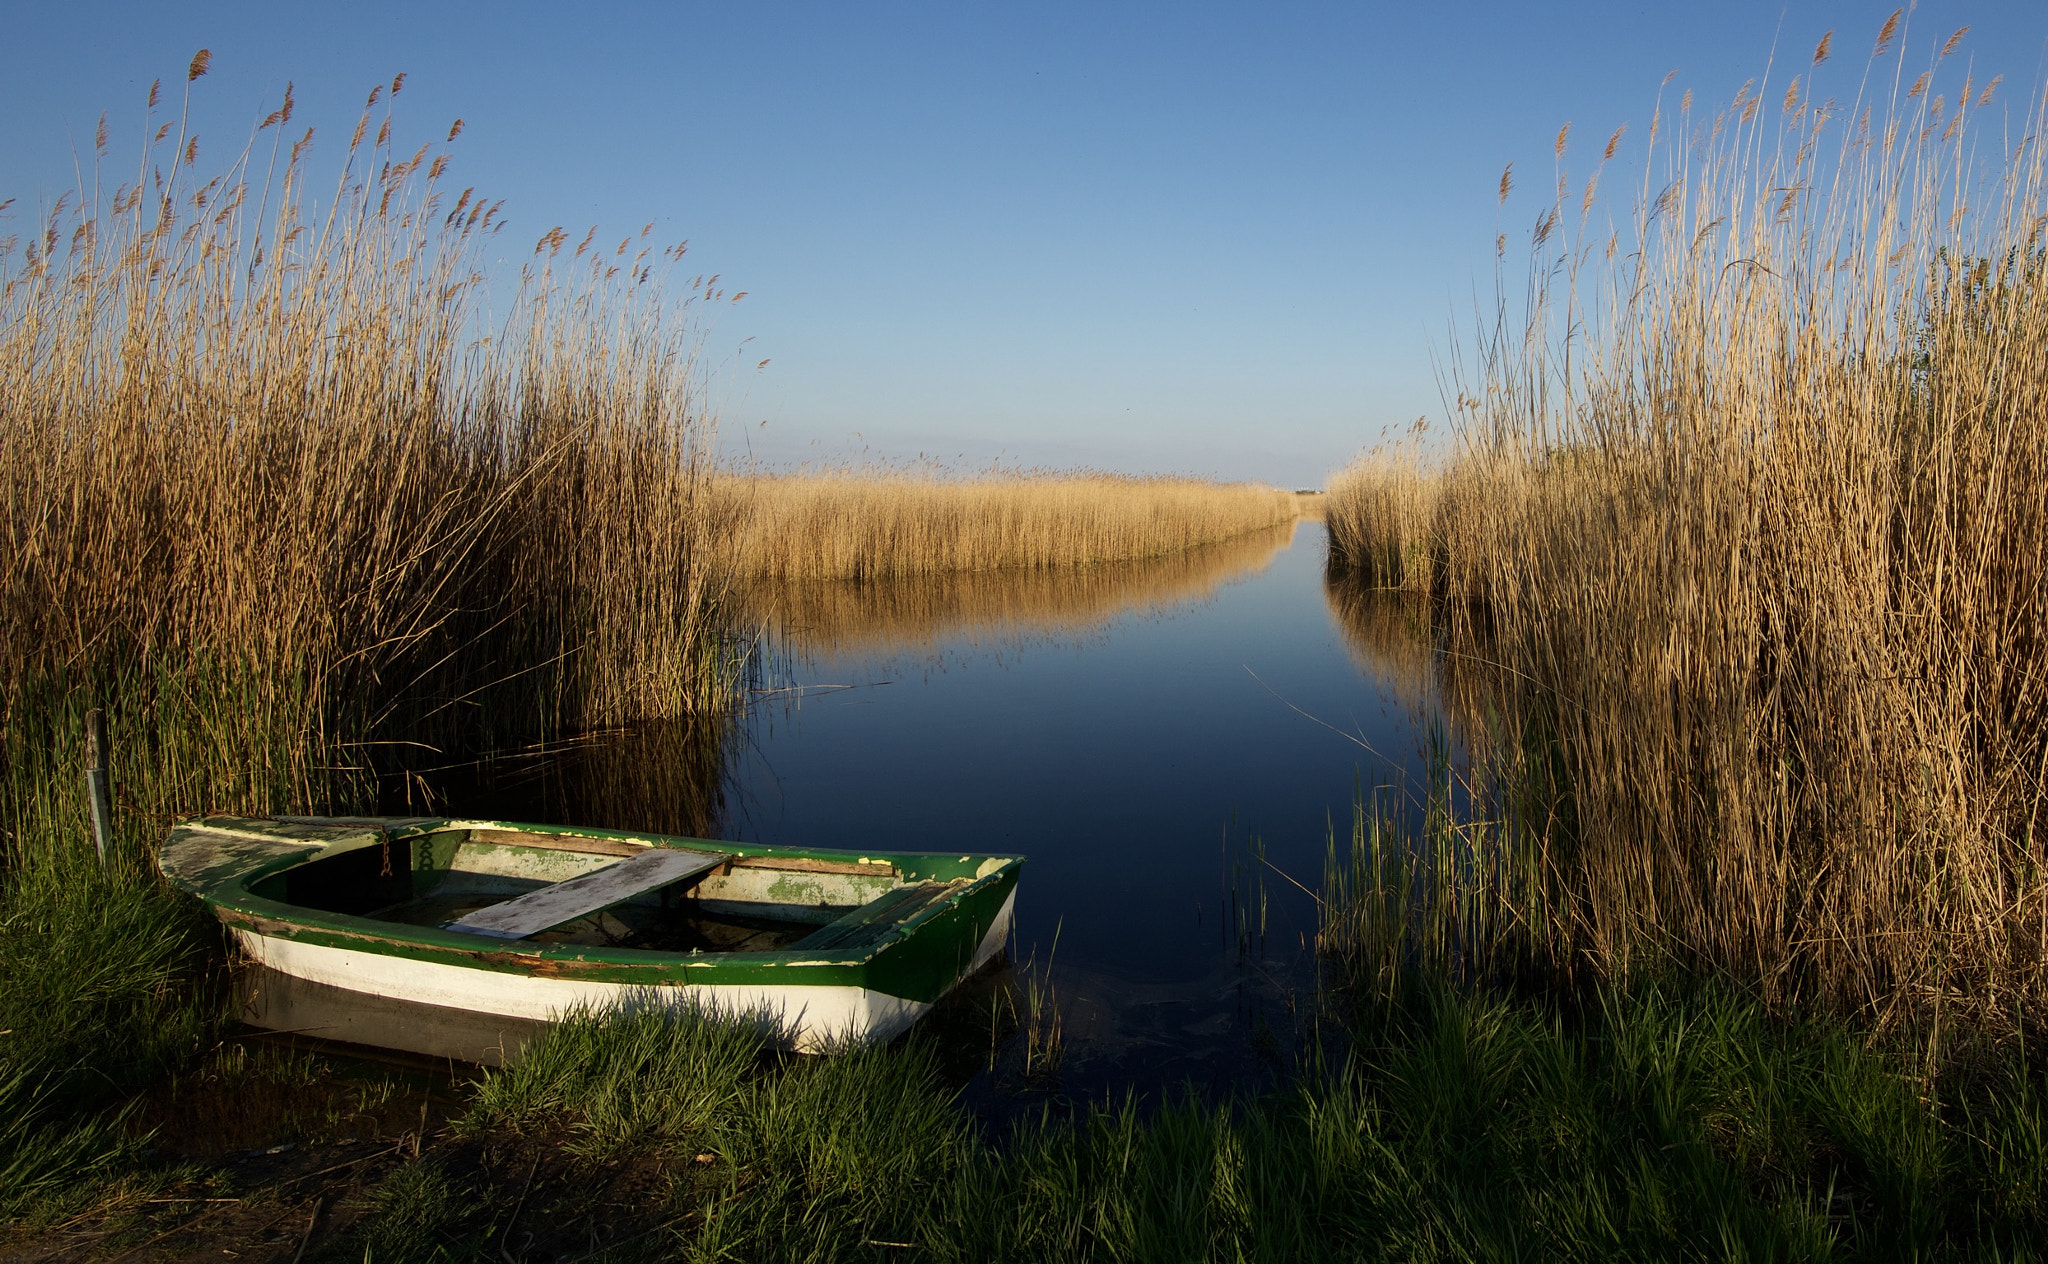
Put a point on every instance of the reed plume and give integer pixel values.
(262, 448)
(1751, 516)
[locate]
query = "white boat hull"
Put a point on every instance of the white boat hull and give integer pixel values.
(806, 1018)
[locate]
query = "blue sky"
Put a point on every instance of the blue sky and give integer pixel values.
(1218, 239)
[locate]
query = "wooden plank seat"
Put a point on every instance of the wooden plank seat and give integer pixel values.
(867, 924)
(566, 901)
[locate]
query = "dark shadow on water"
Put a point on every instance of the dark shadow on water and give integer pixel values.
(668, 777)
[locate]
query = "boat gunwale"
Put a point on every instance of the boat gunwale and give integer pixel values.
(237, 906)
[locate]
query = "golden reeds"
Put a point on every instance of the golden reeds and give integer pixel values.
(883, 524)
(1750, 516)
(255, 439)
(1378, 511)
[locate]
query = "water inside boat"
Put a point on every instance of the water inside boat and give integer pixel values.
(737, 904)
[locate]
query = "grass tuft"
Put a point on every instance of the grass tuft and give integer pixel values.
(618, 1083)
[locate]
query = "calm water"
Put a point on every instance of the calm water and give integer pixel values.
(1171, 743)
(1143, 742)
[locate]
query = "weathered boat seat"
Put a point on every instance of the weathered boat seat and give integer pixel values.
(561, 902)
(867, 924)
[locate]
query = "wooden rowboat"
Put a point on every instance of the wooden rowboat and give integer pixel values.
(824, 949)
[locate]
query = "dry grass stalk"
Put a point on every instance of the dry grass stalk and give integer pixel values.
(1751, 513)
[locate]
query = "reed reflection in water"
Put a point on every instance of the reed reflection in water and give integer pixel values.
(836, 618)
(1193, 720)
(1171, 742)
(1386, 631)
(666, 776)
(1453, 691)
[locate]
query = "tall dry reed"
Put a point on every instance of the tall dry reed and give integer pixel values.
(882, 524)
(1378, 512)
(272, 486)
(1748, 516)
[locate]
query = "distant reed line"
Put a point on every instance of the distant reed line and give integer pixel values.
(845, 616)
(885, 525)
(1745, 521)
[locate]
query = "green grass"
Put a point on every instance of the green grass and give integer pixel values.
(418, 1213)
(1652, 1124)
(106, 989)
(109, 984)
(632, 1081)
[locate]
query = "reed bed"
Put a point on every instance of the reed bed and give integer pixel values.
(1378, 511)
(882, 524)
(274, 490)
(1746, 520)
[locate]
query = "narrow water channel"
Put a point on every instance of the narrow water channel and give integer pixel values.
(1172, 744)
